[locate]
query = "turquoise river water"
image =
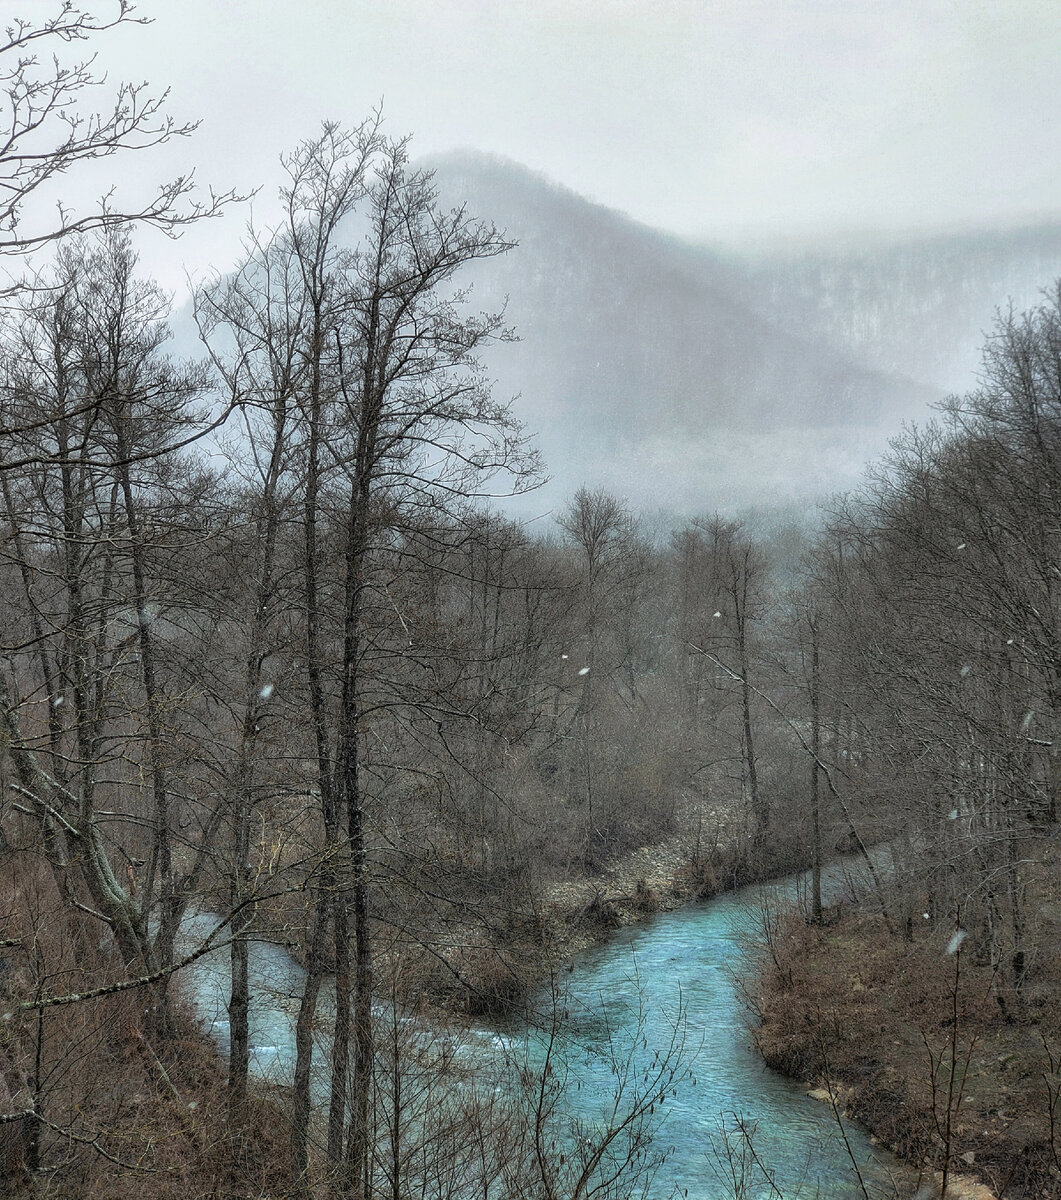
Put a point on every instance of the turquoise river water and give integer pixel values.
(731, 1127)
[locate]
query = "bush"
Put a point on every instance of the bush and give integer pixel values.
(645, 898)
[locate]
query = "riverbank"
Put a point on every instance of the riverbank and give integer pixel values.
(914, 1044)
(592, 909)
(488, 968)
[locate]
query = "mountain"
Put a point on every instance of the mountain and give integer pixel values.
(687, 378)
(646, 367)
(921, 306)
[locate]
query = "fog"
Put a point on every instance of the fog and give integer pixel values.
(754, 237)
(724, 120)
(278, 658)
(690, 378)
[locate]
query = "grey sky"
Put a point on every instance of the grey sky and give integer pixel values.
(721, 119)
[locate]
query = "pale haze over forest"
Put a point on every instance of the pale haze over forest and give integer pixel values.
(793, 154)
(753, 184)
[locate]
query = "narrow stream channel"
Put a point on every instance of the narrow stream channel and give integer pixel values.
(688, 962)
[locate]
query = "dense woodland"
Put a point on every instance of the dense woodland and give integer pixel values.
(272, 652)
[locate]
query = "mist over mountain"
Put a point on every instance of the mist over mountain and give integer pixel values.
(643, 367)
(688, 378)
(921, 306)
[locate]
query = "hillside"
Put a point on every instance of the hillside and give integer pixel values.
(687, 378)
(644, 368)
(920, 306)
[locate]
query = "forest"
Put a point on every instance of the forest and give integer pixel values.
(274, 655)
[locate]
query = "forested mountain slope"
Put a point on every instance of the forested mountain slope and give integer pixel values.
(690, 378)
(920, 305)
(645, 369)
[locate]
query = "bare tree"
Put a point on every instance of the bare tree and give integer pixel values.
(49, 130)
(88, 393)
(359, 335)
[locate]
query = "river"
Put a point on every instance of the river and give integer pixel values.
(728, 1122)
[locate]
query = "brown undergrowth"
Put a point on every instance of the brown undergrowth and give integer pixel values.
(119, 1122)
(926, 1056)
(114, 1107)
(482, 968)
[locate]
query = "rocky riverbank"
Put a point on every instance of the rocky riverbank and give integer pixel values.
(485, 970)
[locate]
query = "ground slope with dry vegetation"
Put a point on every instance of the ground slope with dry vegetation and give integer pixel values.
(921, 1043)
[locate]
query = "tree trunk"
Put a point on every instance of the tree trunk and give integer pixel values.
(815, 778)
(302, 1099)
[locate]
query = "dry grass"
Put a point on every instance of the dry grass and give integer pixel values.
(124, 1111)
(851, 1004)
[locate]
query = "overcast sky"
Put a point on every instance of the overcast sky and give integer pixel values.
(720, 119)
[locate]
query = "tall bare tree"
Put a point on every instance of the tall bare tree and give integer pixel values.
(361, 334)
(91, 401)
